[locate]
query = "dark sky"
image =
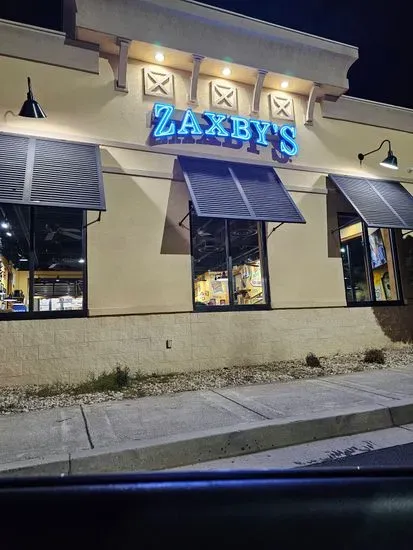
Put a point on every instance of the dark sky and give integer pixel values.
(383, 34)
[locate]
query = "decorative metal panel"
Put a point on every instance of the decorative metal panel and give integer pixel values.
(380, 203)
(13, 159)
(213, 190)
(224, 96)
(266, 195)
(158, 83)
(281, 107)
(238, 191)
(67, 174)
(398, 198)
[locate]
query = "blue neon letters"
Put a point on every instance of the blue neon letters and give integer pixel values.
(163, 112)
(288, 144)
(216, 128)
(223, 126)
(189, 125)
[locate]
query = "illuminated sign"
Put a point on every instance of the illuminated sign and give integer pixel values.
(168, 122)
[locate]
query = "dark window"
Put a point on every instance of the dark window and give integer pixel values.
(42, 261)
(369, 262)
(229, 264)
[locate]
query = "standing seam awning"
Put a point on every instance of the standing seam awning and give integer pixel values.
(49, 172)
(380, 203)
(238, 191)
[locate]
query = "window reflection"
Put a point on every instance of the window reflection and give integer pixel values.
(58, 259)
(227, 262)
(353, 256)
(210, 262)
(245, 245)
(382, 264)
(50, 240)
(14, 258)
(368, 261)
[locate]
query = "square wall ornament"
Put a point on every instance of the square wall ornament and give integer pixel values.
(224, 96)
(281, 107)
(158, 83)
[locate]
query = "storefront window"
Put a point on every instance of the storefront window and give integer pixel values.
(14, 258)
(245, 246)
(228, 263)
(368, 262)
(382, 264)
(42, 261)
(58, 259)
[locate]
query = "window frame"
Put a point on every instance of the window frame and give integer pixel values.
(369, 271)
(30, 315)
(264, 271)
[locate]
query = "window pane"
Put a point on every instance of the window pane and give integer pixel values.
(405, 250)
(353, 256)
(14, 258)
(382, 265)
(210, 262)
(245, 246)
(58, 259)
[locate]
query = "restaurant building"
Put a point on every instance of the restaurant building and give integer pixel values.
(199, 195)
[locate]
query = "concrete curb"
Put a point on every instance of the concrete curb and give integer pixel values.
(213, 444)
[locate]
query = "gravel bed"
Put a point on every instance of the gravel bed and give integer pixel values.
(24, 399)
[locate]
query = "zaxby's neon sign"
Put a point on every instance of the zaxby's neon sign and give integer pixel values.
(168, 123)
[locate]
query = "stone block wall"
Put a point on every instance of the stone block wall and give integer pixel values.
(68, 350)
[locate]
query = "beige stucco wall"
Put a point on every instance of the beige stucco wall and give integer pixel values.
(138, 257)
(137, 261)
(86, 105)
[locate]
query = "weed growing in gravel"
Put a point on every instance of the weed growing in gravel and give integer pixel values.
(48, 390)
(374, 356)
(312, 360)
(114, 380)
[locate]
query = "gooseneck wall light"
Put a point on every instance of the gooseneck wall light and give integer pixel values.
(389, 162)
(30, 108)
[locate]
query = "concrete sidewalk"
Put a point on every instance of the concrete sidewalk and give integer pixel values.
(179, 429)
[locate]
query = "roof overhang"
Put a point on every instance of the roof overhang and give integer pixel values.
(190, 27)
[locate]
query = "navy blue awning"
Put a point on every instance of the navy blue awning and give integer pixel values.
(380, 203)
(238, 191)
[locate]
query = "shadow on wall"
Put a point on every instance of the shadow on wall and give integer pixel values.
(175, 238)
(336, 204)
(396, 322)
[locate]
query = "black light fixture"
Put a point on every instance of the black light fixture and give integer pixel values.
(389, 162)
(30, 108)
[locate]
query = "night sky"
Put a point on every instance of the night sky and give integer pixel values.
(383, 34)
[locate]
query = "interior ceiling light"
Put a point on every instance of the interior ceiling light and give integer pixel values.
(8, 234)
(81, 261)
(24, 260)
(159, 57)
(30, 108)
(5, 225)
(389, 162)
(285, 84)
(226, 71)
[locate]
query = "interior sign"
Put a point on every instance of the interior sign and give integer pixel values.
(168, 122)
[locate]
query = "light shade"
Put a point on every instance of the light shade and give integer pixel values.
(390, 161)
(30, 108)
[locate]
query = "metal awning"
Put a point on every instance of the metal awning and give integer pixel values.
(380, 203)
(49, 172)
(238, 191)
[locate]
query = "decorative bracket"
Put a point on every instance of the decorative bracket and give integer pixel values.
(193, 87)
(121, 84)
(312, 98)
(256, 97)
